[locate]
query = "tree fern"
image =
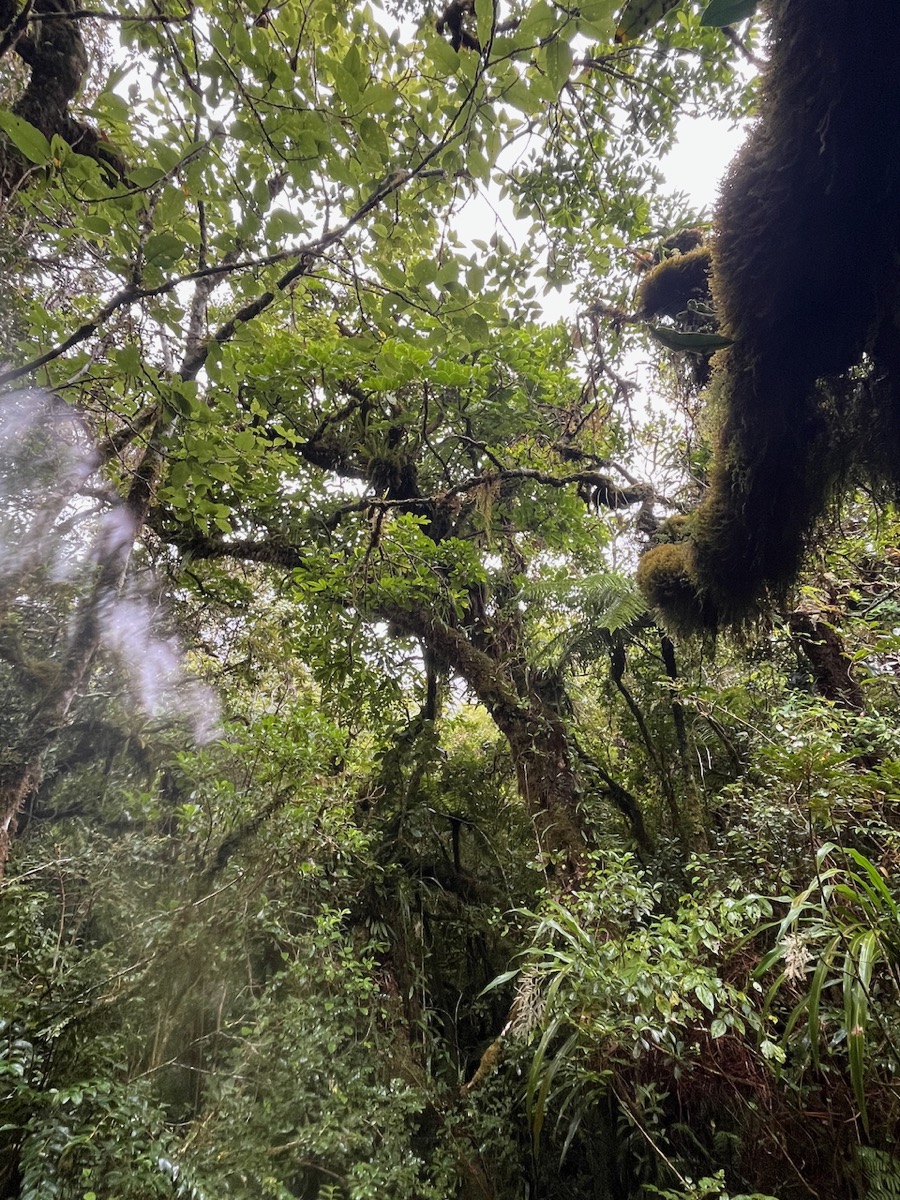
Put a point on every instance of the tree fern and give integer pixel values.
(597, 606)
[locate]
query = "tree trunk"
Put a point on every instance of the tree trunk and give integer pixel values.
(828, 659)
(21, 774)
(545, 756)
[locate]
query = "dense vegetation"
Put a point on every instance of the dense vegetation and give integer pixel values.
(364, 831)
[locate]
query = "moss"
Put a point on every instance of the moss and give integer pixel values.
(674, 529)
(669, 288)
(684, 240)
(805, 269)
(668, 582)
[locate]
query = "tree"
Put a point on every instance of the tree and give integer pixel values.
(266, 133)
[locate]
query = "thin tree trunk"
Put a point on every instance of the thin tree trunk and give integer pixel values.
(693, 821)
(21, 774)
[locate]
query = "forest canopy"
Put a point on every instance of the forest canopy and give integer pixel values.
(447, 752)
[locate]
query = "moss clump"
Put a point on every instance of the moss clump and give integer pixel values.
(667, 579)
(668, 289)
(674, 529)
(805, 274)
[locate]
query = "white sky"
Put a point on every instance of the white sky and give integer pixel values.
(697, 163)
(695, 166)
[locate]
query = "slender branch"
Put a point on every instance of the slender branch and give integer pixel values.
(607, 493)
(112, 446)
(16, 28)
(96, 14)
(742, 48)
(125, 296)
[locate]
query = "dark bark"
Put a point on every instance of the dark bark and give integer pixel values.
(55, 52)
(831, 666)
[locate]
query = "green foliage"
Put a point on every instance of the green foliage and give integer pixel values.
(842, 933)
(882, 1172)
(726, 12)
(390, 513)
(592, 608)
(706, 1189)
(616, 979)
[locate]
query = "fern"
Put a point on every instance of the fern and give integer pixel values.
(599, 605)
(882, 1173)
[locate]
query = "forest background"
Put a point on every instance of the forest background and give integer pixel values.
(365, 832)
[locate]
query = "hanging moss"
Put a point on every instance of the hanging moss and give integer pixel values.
(669, 288)
(805, 268)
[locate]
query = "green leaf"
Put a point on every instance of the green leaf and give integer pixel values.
(814, 998)
(97, 225)
(27, 140)
(705, 996)
(540, 21)
(771, 1051)
(164, 248)
(476, 328)
(698, 343)
(345, 86)
(855, 1019)
(879, 891)
(505, 977)
(484, 15)
(727, 12)
(371, 133)
(639, 15)
(145, 177)
(559, 62)
(598, 17)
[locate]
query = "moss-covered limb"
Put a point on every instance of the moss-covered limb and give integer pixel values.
(669, 288)
(55, 52)
(667, 576)
(750, 531)
(807, 215)
(805, 265)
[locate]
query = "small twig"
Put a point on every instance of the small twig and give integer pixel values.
(742, 48)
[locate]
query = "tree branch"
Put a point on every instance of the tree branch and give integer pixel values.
(195, 358)
(605, 493)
